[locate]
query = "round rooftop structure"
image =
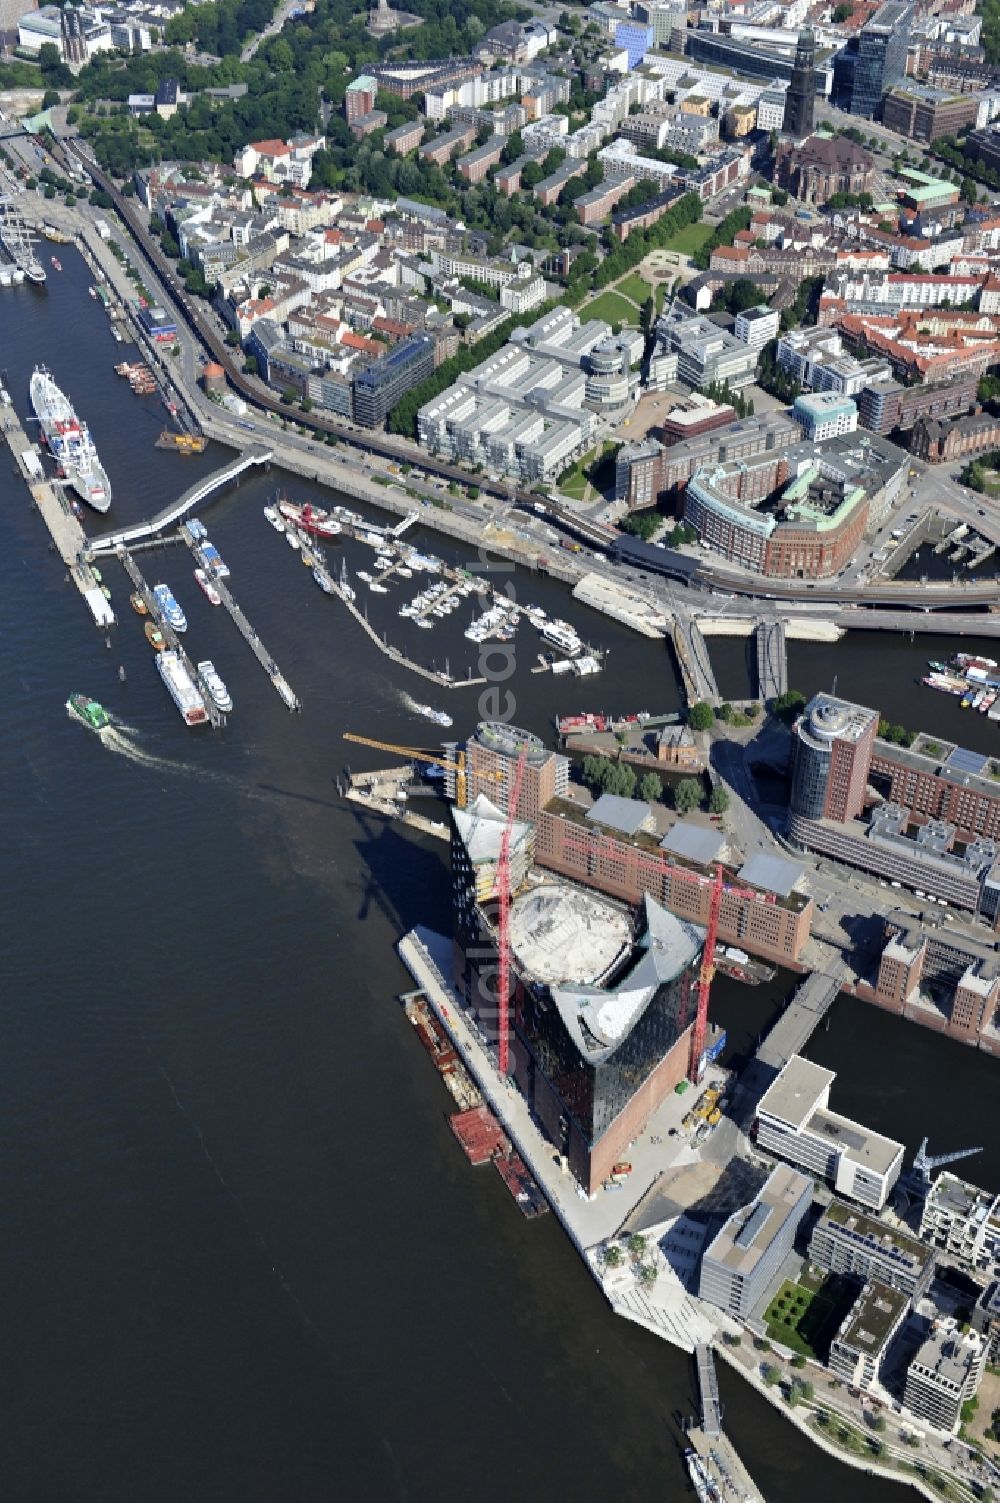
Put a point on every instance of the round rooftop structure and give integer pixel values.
(565, 935)
(827, 721)
(509, 740)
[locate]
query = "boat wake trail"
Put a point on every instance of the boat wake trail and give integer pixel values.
(122, 740)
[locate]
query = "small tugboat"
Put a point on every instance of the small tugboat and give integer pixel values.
(154, 636)
(56, 263)
(137, 603)
(82, 707)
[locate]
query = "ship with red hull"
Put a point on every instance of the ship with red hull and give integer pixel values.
(311, 519)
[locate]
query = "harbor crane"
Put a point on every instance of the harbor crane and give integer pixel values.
(503, 937)
(454, 764)
(705, 974)
(924, 1164)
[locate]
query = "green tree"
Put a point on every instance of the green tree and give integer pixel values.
(50, 98)
(612, 1256)
(701, 716)
(687, 795)
(636, 1245)
(788, 706)
(650, 787)
(250, 365)
(718, 800)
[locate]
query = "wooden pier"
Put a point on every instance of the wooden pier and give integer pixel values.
(68, 537)
(248, 634)
(135, 574)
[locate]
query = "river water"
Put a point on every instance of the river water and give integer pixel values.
(244, 1257)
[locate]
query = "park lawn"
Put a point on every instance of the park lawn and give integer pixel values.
(573, 482)
(689, 239)
(806, 1320)
(612, 308)
(634, 287)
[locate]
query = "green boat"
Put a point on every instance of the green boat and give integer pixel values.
(93, 715)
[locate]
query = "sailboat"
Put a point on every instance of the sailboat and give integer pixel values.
(345, 583)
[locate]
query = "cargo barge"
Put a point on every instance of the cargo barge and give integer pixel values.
(474, 1125)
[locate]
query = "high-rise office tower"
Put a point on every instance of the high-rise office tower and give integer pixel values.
(801, 96)
(874, 60)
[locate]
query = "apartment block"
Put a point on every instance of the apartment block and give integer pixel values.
(944, 1374)
(963, 1222)
(846, 1241)
(858, 1351)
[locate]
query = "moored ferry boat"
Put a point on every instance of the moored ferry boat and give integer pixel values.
(212, 680)
(566, 724)
(182, 688)
(69, 441)
(164, 598)
(562, 635)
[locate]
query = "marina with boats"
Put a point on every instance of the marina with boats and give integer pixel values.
(973, 680)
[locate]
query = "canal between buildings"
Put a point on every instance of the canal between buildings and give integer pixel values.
(245, 1259)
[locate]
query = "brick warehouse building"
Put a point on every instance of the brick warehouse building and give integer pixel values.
(773, 925)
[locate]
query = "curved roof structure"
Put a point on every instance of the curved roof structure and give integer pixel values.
(599, 1020)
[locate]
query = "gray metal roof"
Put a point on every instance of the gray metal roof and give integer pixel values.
(695, 842)
(625, 814)
(772, 873)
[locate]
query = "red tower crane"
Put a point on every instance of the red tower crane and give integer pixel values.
(503, 893)
(705, 975)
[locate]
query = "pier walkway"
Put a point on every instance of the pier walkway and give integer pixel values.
(708, 1387)
(135, 574)
(248, 634)
(68, 537)
(110, 542)
(772, 659)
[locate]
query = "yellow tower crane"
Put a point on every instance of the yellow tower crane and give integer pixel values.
(418, 754)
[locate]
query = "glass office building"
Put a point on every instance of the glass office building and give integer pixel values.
(873, 61)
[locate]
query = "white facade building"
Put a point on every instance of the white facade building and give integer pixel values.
(794, 1122)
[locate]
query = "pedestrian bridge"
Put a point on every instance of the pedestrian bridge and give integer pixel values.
(772, 659)
(109, 542)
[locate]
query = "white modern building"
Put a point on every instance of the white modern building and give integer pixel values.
(824, 414)
(964, 1223)
(944, 1375)
(756, 327)
(744, 1257)
(847, 1242)
(795, 1123)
